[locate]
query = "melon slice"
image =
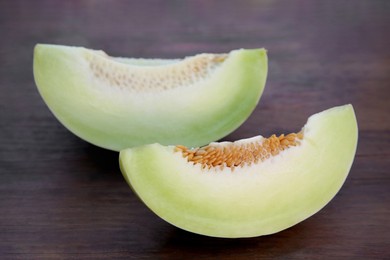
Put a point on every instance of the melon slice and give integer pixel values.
(250, 187)
(118, 103)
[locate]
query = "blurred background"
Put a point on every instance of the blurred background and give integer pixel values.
(62, 197)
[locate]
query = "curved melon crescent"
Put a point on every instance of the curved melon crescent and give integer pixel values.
(117, 103)
(260, 199)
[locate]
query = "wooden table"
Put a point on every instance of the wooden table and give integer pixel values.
(61, 197)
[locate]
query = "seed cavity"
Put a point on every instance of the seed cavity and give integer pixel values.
(151, 75)
(234, 155)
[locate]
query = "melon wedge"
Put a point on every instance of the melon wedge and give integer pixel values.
(251, 187)
(118, 103)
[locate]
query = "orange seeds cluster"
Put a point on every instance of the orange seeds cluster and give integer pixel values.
(234, 155)
(137, 79)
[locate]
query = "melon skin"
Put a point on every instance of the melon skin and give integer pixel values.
(115, 119)
(261, 199)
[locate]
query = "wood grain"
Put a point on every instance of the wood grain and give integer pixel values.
(62, 198)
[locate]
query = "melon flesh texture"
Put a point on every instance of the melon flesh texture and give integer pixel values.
(260, 199)
(118, 103)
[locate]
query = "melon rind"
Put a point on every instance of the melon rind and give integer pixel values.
(255, 200)
(115, 119)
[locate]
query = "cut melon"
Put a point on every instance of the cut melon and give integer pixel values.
(118, 103)
(250, 187)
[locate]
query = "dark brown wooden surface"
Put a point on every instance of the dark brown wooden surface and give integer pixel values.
(61, 197)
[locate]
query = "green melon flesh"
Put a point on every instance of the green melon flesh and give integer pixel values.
(255, 200)
(118, 103)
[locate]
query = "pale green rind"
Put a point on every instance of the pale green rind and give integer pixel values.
(252, 201)
(114, 119)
